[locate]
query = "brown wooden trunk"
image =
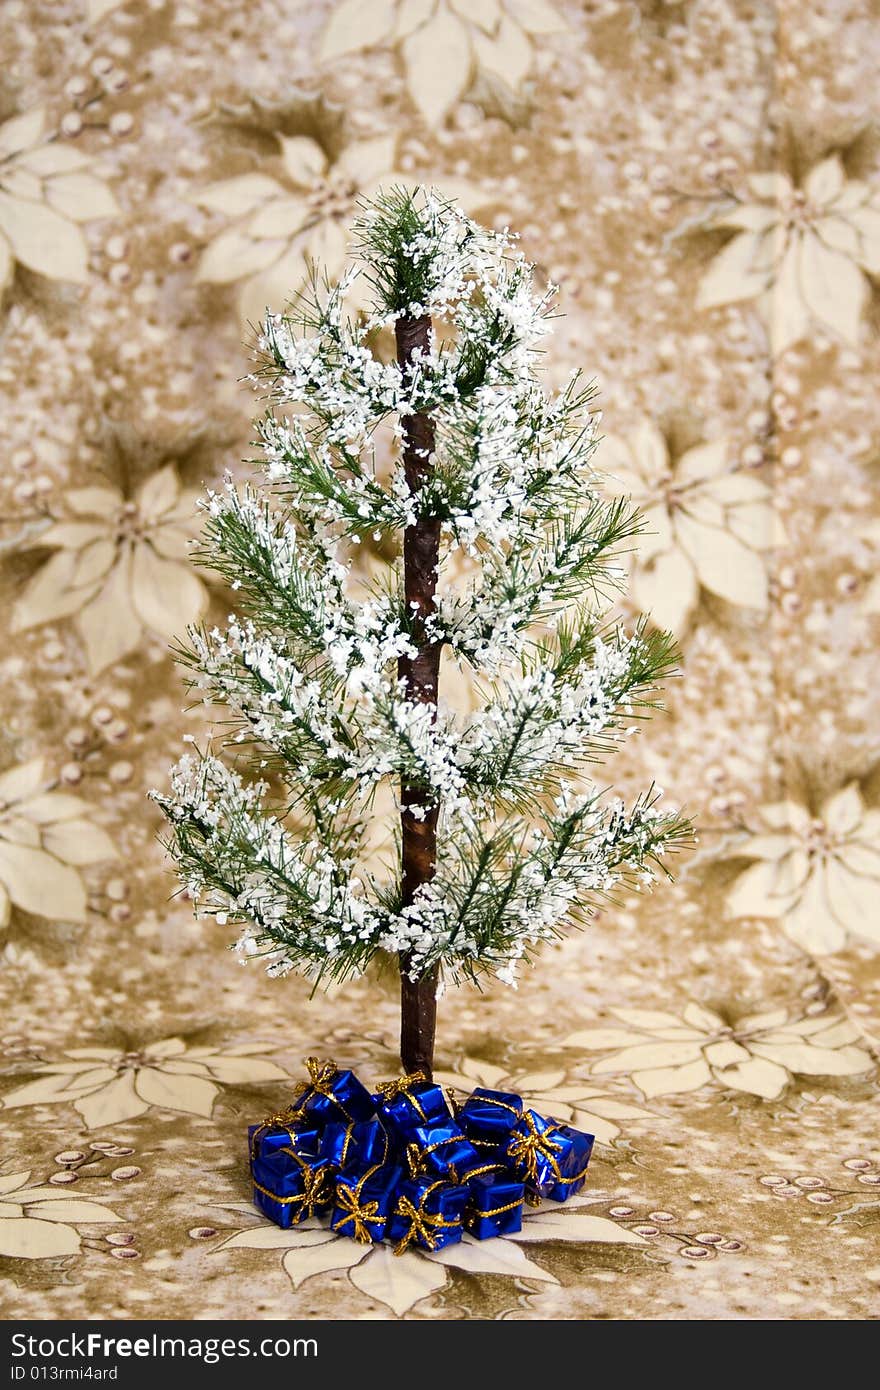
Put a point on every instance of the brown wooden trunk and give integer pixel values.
(421, 549)
(418, 1021)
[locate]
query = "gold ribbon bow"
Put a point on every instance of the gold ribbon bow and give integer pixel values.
(361, 1216)
(415, 1161)
(390, 1090)
(283, 1119)
(455, 1105)
(320, 1076)
(315, 1192)
(423, 1224)
(525, 1148)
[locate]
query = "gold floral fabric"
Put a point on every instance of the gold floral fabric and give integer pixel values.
(701, 179)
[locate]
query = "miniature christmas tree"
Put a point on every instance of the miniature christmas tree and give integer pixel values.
(502, 841)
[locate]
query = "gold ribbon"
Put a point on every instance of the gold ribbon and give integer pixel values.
(472, 1216)
(423, 1224)
(525, 1148)
(415, 1161)
(283, 1119)
(349, 1130)
(439, 1144)
(361, 1216)
(349, 1138)
(416, 1157)
(320, 1076)
(315, 1191)
(390, 1090)
(314, 1194)
(501, 1104)
(481, 1172)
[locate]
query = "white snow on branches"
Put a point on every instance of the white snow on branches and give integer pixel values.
(309, 670)
(540, 722)
(239, 863)
(298, 905)
(495, 437)
(498, 916)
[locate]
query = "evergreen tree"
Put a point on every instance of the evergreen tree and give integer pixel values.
(502, 840)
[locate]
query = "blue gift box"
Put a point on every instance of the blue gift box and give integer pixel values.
(331, 1094)
(286, 1130)
(355, 1145)
(408, 1102)
(490, 1115)
(549, 1157)
(364, 1201)
(495, 1205)
(289, 1187)
(427, 1214)
(440, 1151)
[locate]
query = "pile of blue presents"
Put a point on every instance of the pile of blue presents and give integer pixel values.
(405, 1165)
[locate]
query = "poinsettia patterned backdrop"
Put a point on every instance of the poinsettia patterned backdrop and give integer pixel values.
(701, 178)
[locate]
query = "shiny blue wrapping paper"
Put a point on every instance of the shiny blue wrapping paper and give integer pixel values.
(440, 1151)
(364, 1201)
(549, 1157)
(355, 1145)
(490, 1115)
(334, 1095)
(495, 1206)
(428, 1213)
(289, 1187)
(284, 1131)
(419, 1183)
(404, 1104)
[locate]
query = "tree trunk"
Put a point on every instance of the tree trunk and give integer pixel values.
(421, 549)
(418, 1018)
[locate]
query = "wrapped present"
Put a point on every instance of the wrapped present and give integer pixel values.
(289, 1187)
(549, 1157)
(427, 1214)
(440, 1151)
(358, 1145)
(364, 1201)
(495, 1204)
(489, 1116)
(330, 1094)
(410, 1101)
(330, 1153)
(285, 1130)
